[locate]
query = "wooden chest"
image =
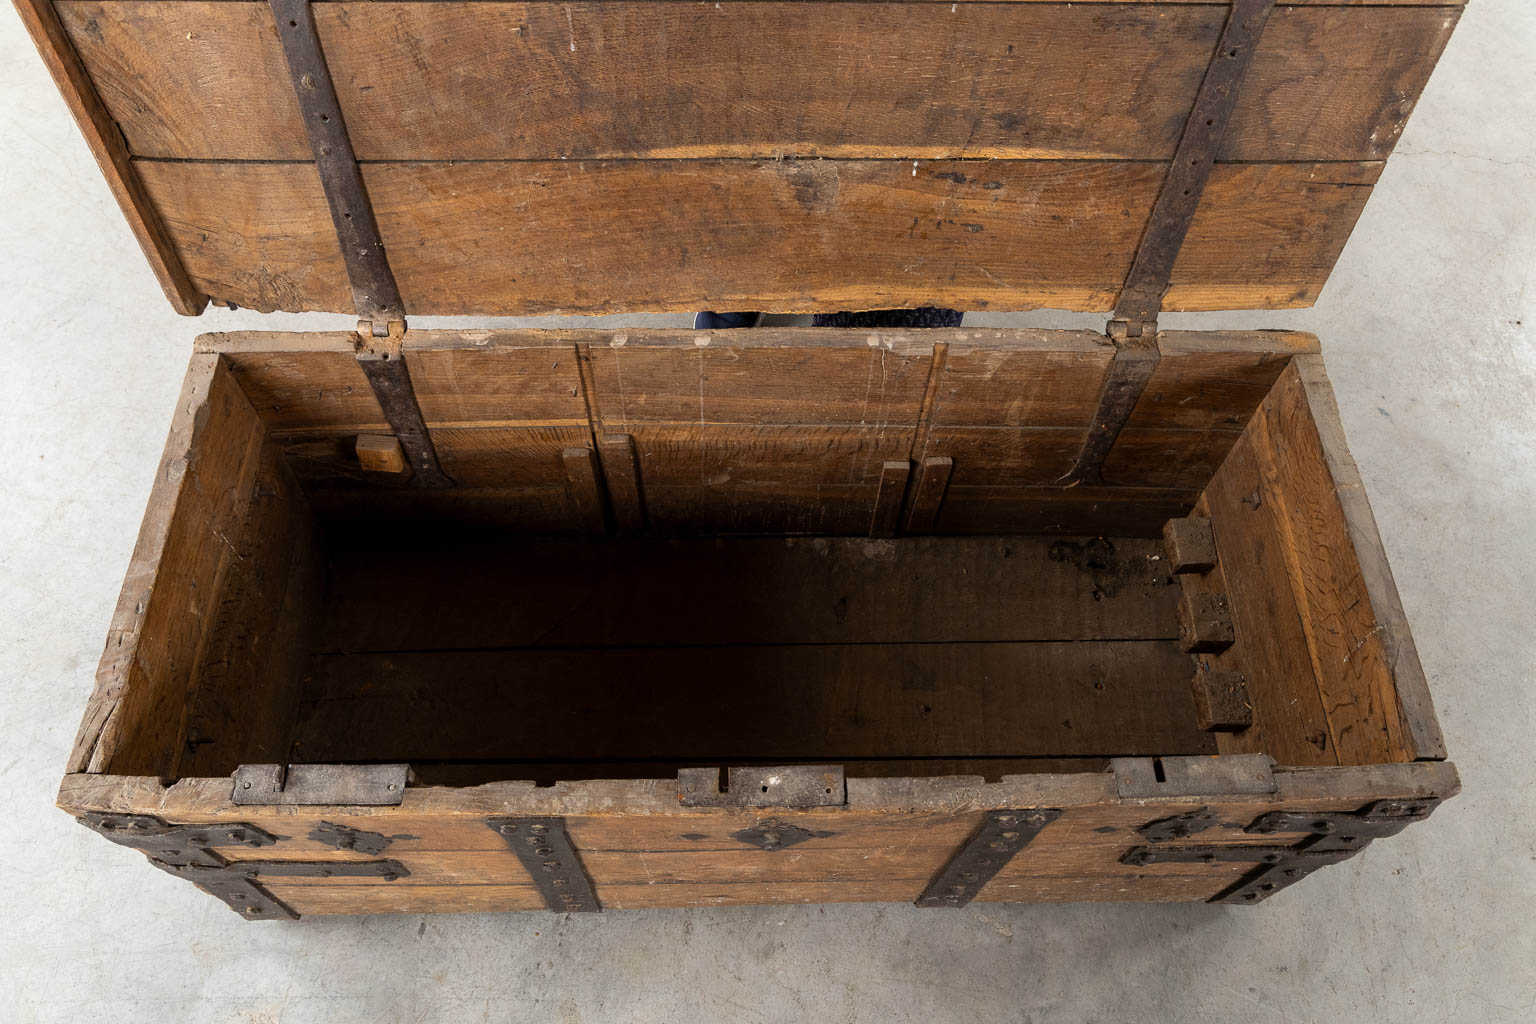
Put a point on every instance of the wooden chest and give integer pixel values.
(598, 618)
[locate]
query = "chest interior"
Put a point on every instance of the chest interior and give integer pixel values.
(664, 549)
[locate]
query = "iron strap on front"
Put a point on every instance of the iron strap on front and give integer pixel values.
(187, 851)
(1134, 327)
(375, 295)
(1001, 835)
(544, 848)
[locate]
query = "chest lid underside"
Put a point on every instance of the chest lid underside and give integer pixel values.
(514, 158)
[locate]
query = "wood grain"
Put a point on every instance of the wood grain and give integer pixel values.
(808, 701)
(746, 591)
(95, 120)
(1008, 80)
(172, 598)
(535, 237)
(881, 847)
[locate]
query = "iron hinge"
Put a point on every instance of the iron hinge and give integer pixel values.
(312, 785)
(187, 851)
(1122, 330)
(791, 786)
(1330, 837)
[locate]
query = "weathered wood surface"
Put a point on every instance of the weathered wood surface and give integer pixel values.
(791, 235)
(774, 430)
(95, 119)
(1322, 669)
(748, 79)
(800, 701)
(183, 567)
(885, 845)
(746, 591)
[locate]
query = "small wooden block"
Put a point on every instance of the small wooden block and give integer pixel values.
(1221, 701)
(1190, 544)
(380, 453)
(928, 494)
(888, 499)
(1205, 623)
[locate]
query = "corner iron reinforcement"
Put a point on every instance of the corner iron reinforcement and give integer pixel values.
(1330, 837)
(187, 851)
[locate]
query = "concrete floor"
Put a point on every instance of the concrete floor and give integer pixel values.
(1430, 335)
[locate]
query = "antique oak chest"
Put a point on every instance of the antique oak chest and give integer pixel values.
(598, 618)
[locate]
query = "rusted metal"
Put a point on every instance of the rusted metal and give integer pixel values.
(1141, 297)
(773, 835)
(1002, 834)
(188, 851)
(356, 785)
(1330, 837)
(374, 292)
(545, 850)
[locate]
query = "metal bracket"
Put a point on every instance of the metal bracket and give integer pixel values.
(1180, 826)
(1332, 836)
(792, 786)
(340, 837)
(1002, 834)
(773, 834)
(545, 849)
(187, 851)
(311, 785)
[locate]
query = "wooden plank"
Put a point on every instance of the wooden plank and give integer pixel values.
(1400, 659)
(747, 591)
(762, 479)
(833, 702)
(1237, 220)
(1106, 511)
(582, 490)
(715, 380)
(1011, 80)
(987, 386)
(96, 123)
(535, 237)
(532, 383)
(1353, 670)
(313, 390)
(1213, 380)
(1289, 720)
(244, 698)
(888, 499)
(171, 599)
(882, 846)
(621, 472)
(928, 493)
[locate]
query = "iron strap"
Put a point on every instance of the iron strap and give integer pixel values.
(1002, 834)
(1141, 298)
(1328, 838)
(375, 295)
(187, 851)
(391, 383)
(362, 250)
(1134, 328)
(544, 847)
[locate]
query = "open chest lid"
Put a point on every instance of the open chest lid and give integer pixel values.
(513, 158)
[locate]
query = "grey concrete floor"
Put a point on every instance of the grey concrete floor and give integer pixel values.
(1429, 329)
